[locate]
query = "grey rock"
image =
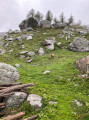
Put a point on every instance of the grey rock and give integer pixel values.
(41, 51)
(19, 38)
(77, 103)
(11, 50)
(29, 37)
(2, 51)
(29, 29)
(45, 24)
(49, 43)
(16, 100)
(7, 44)
(17, 65)
(45, 72)
(10, 39)
(79, 44)
(30, 53)
(59, 43)
(24, 36)
(34, 100)
(22, 56)
(52, 102)
(29, 61)
(1, 43)
(23, 52)
(22, 47)
(8, 74)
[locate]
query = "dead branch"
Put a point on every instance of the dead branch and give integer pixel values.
(13, 88)
(32, 117)
(8, 85)
(13, 117)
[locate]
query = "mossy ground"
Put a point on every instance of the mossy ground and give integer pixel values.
(50, 86)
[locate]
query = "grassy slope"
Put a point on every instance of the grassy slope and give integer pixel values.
(49, 86)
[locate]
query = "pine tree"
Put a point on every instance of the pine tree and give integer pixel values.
(38, 16)
(70, 20)
(55, 21)
(31, 14)
(62, 18)
(49, 16)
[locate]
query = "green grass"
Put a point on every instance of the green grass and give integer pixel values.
(49, 86)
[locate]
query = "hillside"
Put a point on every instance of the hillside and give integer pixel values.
(62, 86)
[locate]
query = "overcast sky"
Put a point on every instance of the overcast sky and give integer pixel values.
(12, 12)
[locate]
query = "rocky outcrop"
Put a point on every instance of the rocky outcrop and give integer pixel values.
(49, 43)
(79, 44)
(83, 64)
(16, 100)
(45, 24)
(8, 74)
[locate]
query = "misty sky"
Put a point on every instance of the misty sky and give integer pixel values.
(12, 12)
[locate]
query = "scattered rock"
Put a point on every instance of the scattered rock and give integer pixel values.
(83, 64)
(52, 102)
(79, 44)
(22, 47)
(45, 72)
(8, 74)
(24, 36)
(23, 52)
(1, 44)
(77, 103)
(10, 39)
(29, 29)
(19, 38)
(49, 43)
(29, 37)
(29, 61)
(59, 43)
(34, 100)
(41, 51)
(22, 56)
(16, 100)
(30, 54)
(11, 50)
(17, 65)
(45, 24)
(2, 51)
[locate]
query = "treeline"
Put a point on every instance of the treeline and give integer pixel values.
(38, 16)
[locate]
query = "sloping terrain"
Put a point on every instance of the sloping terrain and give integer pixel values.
(62, 85)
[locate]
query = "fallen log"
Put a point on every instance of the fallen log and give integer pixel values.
(2, 113)
(13, 88)
(2, 104)
(8, 85)
(6, 95)
(32, 117)
(13, 117)
(2, 88)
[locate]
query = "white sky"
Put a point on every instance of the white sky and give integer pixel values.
(12, 12)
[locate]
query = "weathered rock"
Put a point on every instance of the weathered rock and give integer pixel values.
(22, 56)
(2, 51)
(83, 64)
(10, 39)
(82, 32)
(22, 47)
(29, 61)
(30, 53)
(41, 51)
(16, 100)
(29, 37)
(8, 74)
(24, 36)
(29, 29)
(79, 44)
(1, 44)
(49, 43)
(7, 44)
(45, 24)
(19, 38)
(34, 100)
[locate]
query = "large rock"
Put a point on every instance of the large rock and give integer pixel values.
(83, 64)
(79, 44)
(16, 100)
(8, 74)
(34, 100)
(45, 24)
(49, 43)
(30, 54)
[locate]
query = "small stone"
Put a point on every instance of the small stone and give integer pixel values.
(45, 72)
(29, 61)
(34, 100)
(29, 37)
(59, 43)
(19, 38)
(17, 65)
(30, 54)
(52, 102)
(41, 51)
(78, 103)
